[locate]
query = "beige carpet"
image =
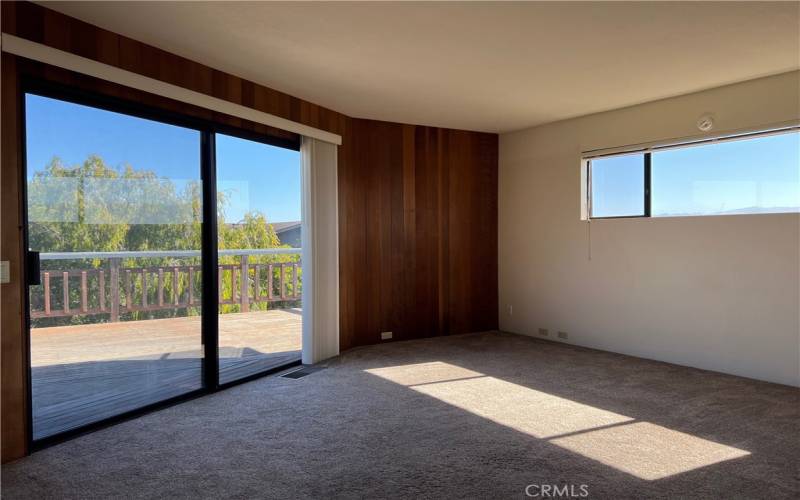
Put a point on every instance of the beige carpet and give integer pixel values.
(472, 416)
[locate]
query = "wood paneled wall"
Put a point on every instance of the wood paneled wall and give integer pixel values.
(417, 205)
(13, 345)
(418, 243)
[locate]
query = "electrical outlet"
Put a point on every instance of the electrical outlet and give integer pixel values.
(386, 335)
(543, 332)
(563, 335)
(510, 310)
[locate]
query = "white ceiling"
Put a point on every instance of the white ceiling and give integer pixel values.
(480, 66)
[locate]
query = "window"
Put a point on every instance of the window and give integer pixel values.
(743, 175)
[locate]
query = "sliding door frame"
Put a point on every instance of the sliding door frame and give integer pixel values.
(209, 249)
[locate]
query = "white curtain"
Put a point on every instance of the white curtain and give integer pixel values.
(320, 241)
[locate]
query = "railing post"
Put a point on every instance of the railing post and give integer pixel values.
(114, 277)
(46, 293)
(245, 295)
(101, 287)
(84, 292)
(294, 280)
(160, 287)
(144, 288)
(283, 281)
(191, 286)
(129, 291)
(269, 282)
(220, 288)
(175, 296)
(65, 287)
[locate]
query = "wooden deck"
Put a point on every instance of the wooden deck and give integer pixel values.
(84, 373)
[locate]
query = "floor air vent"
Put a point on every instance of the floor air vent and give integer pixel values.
(301, 372)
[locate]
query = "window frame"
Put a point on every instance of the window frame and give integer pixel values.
(95, 99)
(647, 166)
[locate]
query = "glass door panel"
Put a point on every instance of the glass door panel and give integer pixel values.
(114, 206)
(260, 273)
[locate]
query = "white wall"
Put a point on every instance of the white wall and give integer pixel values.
(720, 293)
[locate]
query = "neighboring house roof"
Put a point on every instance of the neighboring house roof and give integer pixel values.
(281, 227)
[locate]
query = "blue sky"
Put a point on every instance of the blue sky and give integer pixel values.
(254, 175)
(258, 177)
(618, 186)
(728, 176)
(752, 175)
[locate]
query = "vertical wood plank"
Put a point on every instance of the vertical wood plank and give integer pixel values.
(101, 288)
(114, 266)
(294, 280)
(46, 293)
(65, 290)
(245, 293)
(233, 285)
(56, 32)
(144, 288)
(84, 293)
(269, 282)
(128, 290)
(219, 284)
(283, 275)
(191, 286)
(175, 295)
(444, 241)
(160, 286)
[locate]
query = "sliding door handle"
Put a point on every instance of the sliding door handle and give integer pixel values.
(34, 274)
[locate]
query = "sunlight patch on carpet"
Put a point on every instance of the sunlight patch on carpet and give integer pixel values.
(648, 451)
(642, 449)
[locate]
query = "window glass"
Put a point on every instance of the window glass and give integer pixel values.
(115, 211)
(758, 175)
(618, 186)
(260, 272)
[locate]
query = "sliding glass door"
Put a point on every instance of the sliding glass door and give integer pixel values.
(260, 273)
(164, 258)
(114, 222)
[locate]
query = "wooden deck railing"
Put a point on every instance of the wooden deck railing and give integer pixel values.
(115, 289)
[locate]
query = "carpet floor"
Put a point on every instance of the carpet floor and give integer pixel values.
(486, 415)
